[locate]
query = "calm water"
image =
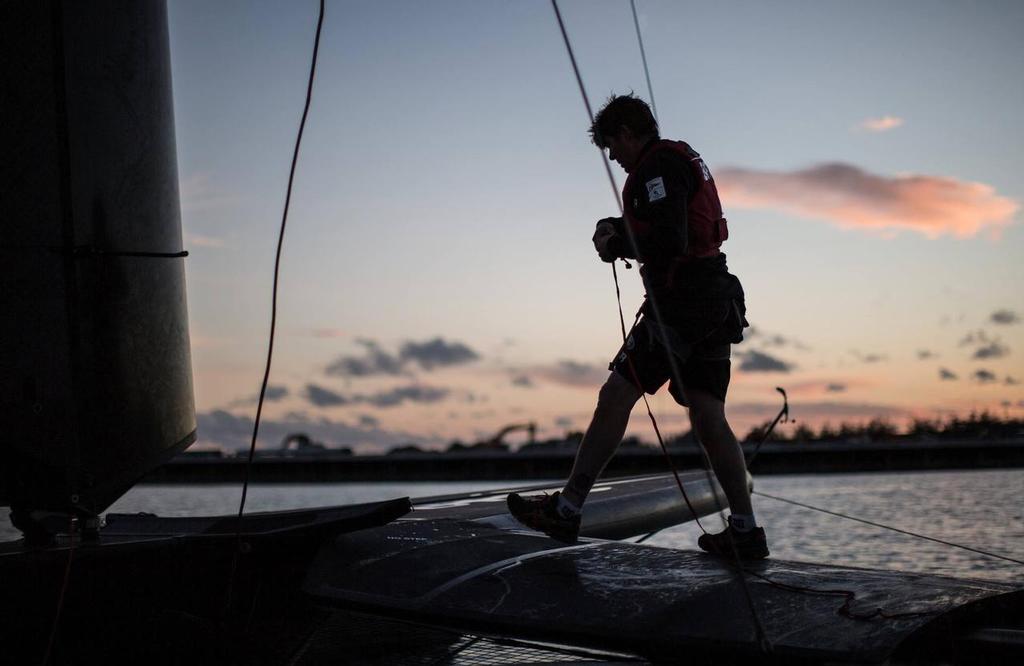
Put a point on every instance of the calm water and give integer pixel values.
(980, 509)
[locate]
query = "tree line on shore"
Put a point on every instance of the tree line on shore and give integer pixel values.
(976, 426)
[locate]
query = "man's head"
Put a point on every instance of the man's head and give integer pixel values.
(624, 126)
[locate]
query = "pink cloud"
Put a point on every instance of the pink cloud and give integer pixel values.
(852, 198)
(883, 124)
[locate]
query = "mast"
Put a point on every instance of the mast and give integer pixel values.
(95, 368)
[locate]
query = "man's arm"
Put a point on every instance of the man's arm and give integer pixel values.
(663, 193)
(661, 200)
(610, 240)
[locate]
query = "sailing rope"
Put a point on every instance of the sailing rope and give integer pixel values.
(273, 316)
(63, 591)
(643, 57)
(762, 637)
(888, 527)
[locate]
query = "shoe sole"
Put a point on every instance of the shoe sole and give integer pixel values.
(743, 554)
(562, 537)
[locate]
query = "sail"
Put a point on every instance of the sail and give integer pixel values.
(95, 371)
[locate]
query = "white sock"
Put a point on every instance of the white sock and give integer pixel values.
(565, 508)
(743, 522)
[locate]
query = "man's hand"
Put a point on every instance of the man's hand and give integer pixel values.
(604, 233)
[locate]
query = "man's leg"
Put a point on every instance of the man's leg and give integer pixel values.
(558, 515)
(707, 415)
(742, 538)
(614, 403)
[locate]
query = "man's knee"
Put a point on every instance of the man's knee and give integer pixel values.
(617, 392)
(707, 412)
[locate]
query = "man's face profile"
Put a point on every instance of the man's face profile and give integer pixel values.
(624, 148)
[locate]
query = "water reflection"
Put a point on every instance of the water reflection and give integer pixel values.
(981, 509)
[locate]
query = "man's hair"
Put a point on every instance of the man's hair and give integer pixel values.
(623, 111)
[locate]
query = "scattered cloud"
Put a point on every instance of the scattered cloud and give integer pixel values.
(883, 124)
(767, 340)
(947, 375)
(368, 421)
(994, 349)
(983, 376)
(974, 337)
(437, 353)
(573, 373)
(565, 422)
(986, 347)
(925, 354)
(869, 358)
(229, 431)
(1004, 317)
(522, 381)
(322, 397)
(1011, 381)
(819, 410)
(374, 361)
(812, 387)
(851, 198)
(755, 361)
(402, 394)
(273, 393)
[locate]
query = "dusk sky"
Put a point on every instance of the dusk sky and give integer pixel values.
(438, 279)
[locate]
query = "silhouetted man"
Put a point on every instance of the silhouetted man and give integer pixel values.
(673, 226)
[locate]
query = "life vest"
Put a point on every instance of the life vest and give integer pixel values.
(706, 226)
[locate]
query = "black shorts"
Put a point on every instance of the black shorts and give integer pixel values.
(698, 336)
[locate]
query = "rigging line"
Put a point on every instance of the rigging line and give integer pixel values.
(888, 527)
(63, 590)
(643, 57)
(763, 643)
(782, 416)
(273, 312)
(590, 112)
(631, 237)
(673, 366)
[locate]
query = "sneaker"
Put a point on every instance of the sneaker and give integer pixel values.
(539, 513)
(750, 545)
